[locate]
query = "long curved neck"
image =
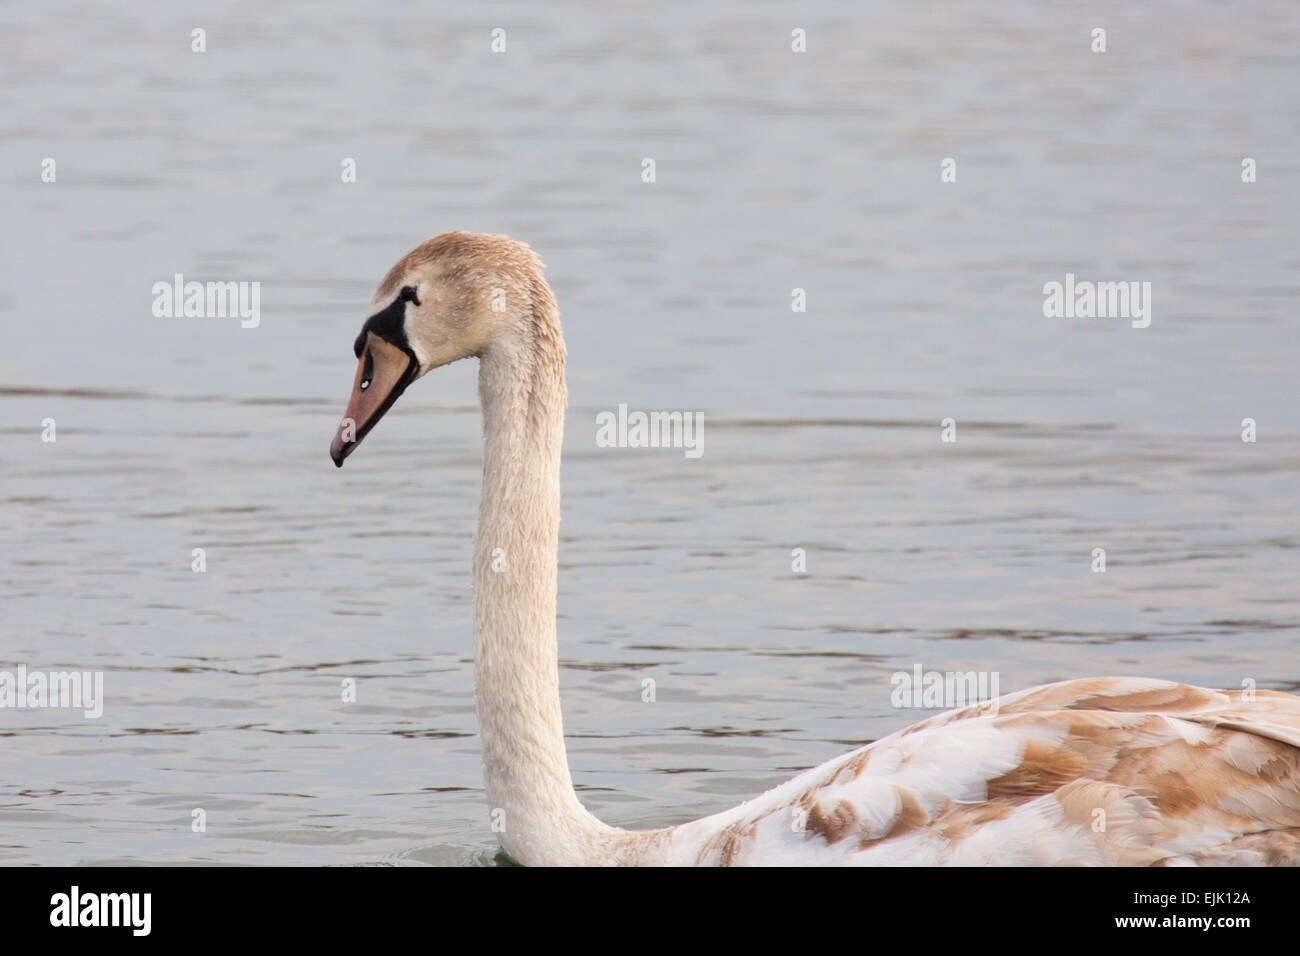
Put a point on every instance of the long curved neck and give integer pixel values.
(516, 677)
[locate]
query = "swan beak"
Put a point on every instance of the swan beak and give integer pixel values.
(383, 372)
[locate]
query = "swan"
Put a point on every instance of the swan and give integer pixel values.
(1109, 771)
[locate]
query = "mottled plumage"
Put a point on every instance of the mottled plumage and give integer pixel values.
(1110, 771)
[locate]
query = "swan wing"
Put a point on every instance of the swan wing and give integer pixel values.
(1105, 771)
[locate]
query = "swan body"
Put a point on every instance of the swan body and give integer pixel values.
(1104, 771)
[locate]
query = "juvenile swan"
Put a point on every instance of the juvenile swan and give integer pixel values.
(1109, 770)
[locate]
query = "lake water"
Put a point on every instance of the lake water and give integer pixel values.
(775, 170)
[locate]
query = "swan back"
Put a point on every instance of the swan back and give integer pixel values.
(1106, 771)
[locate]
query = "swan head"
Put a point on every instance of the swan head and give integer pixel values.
(447, 299)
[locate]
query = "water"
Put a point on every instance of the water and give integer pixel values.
(774, 171)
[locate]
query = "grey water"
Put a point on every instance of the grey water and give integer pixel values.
(774, 171)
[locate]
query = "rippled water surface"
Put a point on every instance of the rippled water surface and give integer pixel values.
(775, 171)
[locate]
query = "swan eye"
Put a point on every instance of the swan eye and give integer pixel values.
(408, 294)
(368, 372)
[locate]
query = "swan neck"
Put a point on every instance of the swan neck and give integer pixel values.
(517, 695)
